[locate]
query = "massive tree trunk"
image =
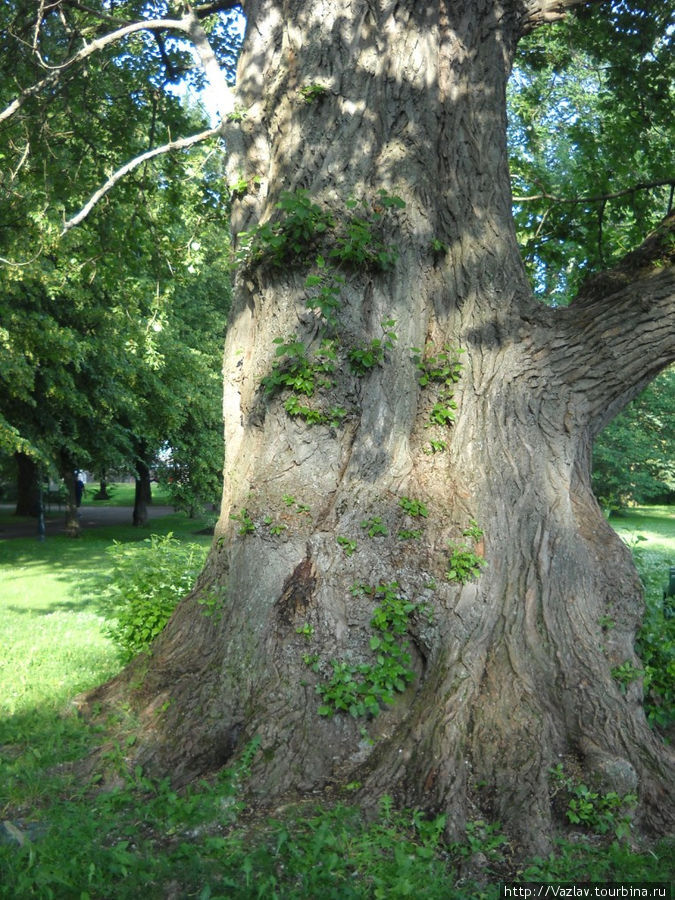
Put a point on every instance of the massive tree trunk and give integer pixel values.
(510, 669)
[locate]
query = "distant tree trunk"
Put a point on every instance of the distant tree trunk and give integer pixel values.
(27, 489)
(143, 493)
(102, 492)
(512, 665)
(72, 518)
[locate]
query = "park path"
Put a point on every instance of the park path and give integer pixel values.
(90, 517)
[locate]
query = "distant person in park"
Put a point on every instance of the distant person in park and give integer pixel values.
(79, 490)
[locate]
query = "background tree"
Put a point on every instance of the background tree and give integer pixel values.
(424, 517)
(87, 317)
(634, 457)
(591, 152)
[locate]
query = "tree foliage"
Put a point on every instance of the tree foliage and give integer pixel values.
(591, 133)
(111, 331)
(634, 457)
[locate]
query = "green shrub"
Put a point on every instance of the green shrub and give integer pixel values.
(360, 689)
(148, 580)
(655, 641)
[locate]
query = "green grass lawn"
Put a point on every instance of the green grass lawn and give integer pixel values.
(122, 494)
(655, 523)
(141, 838)
(50, 612)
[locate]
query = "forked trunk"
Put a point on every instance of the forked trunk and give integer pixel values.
(357, 515)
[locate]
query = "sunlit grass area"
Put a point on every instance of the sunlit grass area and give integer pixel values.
(51, 617)
(122, 494)
(655, 523)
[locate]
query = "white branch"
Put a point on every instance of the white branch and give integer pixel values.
(210, 64)
(180, 144)
(24, 157)
(94, 47)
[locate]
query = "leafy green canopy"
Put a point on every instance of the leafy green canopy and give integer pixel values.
(634, 457)
(591, 134)
(110, 333)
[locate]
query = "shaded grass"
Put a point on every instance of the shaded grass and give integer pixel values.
(650, 533)
(655, 523)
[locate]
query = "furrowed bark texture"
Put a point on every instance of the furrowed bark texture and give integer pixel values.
(513, 668)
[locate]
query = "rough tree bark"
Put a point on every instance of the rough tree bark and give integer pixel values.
(102, 492)
(513, 667)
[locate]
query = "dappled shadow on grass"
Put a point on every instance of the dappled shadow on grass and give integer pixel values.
(84, 563)
(36, 739)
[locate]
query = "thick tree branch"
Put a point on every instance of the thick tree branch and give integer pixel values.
(181, 144)
(539, 12)
(207, 57)
(620, 329)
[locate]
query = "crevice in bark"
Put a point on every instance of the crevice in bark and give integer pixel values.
(297, 593)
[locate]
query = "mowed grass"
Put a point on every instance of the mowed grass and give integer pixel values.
(122, 494)
(650, 533)
(51, 617)
(66, 839)
(655, 523)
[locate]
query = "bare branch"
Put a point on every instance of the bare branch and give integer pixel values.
(38, 22)
(600, 198)
(180, 144)
(24, 157)
(17, 265)
(211, 66)
(85, 52)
